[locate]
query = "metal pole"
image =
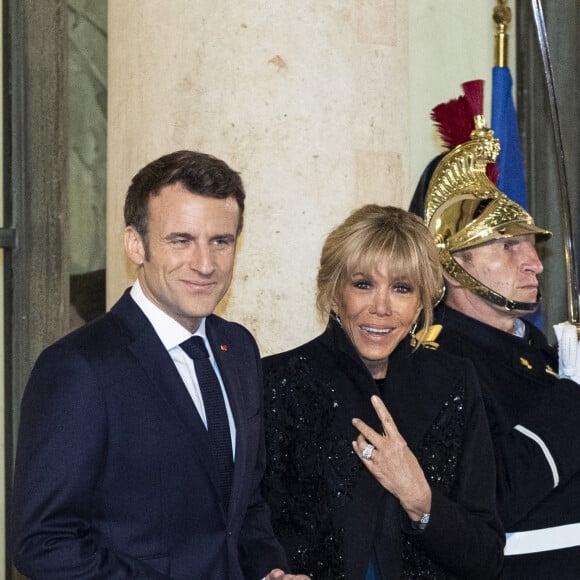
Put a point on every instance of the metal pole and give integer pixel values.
(565, 212)
(502, 16)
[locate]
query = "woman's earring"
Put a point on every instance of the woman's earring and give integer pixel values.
(441, 295)
(337, 318)
(412, 335)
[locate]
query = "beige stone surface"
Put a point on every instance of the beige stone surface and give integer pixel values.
(309, 100)
(308, 103)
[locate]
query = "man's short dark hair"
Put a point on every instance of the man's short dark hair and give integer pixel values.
(199, 173)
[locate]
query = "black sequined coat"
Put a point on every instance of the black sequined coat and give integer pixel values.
(329, 512)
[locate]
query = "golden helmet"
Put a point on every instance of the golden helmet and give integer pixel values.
(463, 209)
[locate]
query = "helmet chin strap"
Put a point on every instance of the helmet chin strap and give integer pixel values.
(475, 286)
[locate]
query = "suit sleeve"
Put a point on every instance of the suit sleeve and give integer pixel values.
(260, 551)
(61, 448)
(465, 535)
(538, 454)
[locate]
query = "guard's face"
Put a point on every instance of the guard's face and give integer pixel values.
(377, 311)
(510, 266)
(192, 246)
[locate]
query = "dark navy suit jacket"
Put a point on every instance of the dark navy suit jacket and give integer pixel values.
(114, 475)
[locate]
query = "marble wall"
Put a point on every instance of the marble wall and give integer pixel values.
(322, 107)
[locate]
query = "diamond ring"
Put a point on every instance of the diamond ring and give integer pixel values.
(368, 452)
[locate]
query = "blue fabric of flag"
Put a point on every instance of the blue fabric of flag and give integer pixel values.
(504, 122)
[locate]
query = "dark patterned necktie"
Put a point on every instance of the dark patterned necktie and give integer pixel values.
(215, 412)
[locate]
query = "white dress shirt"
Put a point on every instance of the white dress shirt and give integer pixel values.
(172, 334)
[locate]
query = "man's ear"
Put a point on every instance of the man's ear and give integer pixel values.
(134, 246)
(450, 282)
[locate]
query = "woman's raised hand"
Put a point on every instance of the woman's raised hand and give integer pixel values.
(392, 463)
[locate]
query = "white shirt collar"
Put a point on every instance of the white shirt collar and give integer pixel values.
(170, 332)
(519, 328)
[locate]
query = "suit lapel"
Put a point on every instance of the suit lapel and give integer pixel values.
(160, 368)
(227, 358)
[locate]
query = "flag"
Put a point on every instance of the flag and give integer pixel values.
(504, 122)
(510, 165)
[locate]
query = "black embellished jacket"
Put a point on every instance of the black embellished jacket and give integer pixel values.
(329, 512)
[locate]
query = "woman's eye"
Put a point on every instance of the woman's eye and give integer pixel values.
(362, 284)
(403, 288)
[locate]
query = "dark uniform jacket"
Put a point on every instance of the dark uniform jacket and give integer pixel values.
(535, 421)
(329, 512)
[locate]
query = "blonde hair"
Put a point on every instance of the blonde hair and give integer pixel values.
(369, 236)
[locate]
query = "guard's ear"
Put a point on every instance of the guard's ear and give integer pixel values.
(450, 282)
(134, 246)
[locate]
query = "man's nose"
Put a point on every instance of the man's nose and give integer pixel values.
(201, 259)
(532, 260)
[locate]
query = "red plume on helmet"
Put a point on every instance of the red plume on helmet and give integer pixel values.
(454, 119)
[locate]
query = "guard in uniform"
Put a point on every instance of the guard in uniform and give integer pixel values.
(486, 244)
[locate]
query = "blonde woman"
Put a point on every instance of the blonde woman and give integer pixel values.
(380, 463)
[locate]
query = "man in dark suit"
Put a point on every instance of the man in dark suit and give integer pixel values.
(131, 463)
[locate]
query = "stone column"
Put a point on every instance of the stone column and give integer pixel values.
(308, 100)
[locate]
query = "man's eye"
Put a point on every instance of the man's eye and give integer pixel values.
(223, 242)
